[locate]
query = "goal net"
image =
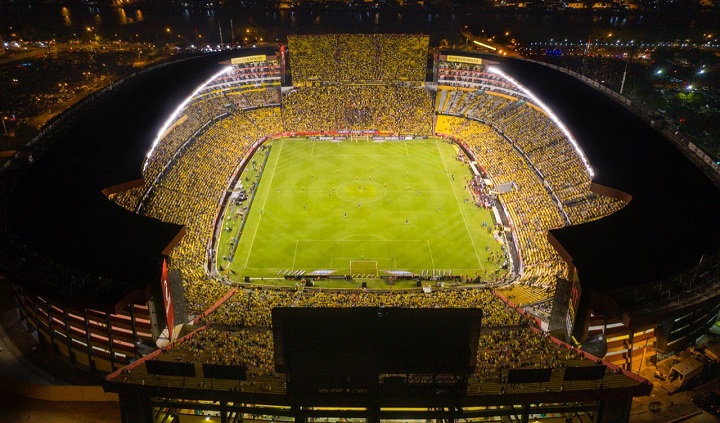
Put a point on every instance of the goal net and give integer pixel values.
(364, 267)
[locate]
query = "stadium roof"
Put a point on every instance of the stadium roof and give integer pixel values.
(58, 209)
(673, 217)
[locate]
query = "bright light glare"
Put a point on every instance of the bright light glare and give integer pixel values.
(484, 45)
(659, 72)
(179, 109)
(550, 113)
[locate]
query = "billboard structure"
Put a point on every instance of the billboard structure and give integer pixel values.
(376, 350)
(167, 299)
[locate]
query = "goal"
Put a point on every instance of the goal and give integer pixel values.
(364, 267)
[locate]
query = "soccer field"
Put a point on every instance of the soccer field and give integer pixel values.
(362, 208)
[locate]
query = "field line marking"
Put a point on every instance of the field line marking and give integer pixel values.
(358, 156)
(432, 260)
(457, 200)
(407, 152)
(297, 241)
(252, 242)
(343, 239)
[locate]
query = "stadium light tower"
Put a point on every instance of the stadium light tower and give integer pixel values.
(179, 109)
(550, 113)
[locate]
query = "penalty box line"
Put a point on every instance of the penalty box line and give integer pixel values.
(349, 260)
(313, 154)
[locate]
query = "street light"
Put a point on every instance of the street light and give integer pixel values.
(4, 127)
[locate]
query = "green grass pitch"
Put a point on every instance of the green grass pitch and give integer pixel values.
(361, 207)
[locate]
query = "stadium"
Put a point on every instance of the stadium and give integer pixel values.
(316, 231)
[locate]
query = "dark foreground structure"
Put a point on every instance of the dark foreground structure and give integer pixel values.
(372, 364)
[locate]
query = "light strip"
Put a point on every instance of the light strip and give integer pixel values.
(549, 112)
(179, 109)
(484, 45)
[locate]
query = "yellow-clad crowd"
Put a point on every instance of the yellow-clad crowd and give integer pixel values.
(240, 331)
(531, 209)
(194, 173)
(250, 347)
(190, 192)
(358, 57)
(237, 337)
(502, 350)
(543, 143)
(395, 109)
(516, 142)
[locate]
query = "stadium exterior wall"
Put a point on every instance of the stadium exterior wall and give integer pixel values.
(100, 340)
(655, 320)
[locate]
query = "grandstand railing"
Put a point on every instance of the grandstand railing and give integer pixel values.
(214, 307)
(152, 355)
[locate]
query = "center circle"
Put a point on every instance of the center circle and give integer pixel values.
(361, 191)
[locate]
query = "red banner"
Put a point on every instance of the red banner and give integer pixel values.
(167, 300)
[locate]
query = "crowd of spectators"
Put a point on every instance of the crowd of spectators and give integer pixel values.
(544, 145)
(481, 191)
(517, 142)
(252, 307)
(358, 58)
(187, 191)
(502, 350)
(237, 337)
(396, 109)
(240, 329)
(198, 114)
(531, 209)
(250, 347)
(190, 191)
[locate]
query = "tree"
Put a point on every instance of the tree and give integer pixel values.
(694, 99)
